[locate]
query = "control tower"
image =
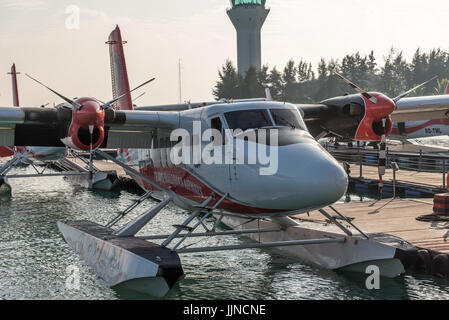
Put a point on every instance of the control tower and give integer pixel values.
(248, 17)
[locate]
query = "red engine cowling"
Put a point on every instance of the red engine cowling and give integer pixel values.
(371, 127)
(90, 114)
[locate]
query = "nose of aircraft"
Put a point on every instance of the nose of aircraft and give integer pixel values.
(306, 178)
(312, 177)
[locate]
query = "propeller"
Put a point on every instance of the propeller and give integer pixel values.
(104, 106)
(382, 154)
(403, 95)
(373, 99)
(357, 88)
(138, 97)
(109, 103)
(73, 103)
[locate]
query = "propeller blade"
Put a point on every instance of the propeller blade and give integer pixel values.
(411, 90)
(357, 88)
(73, 103)
(140, 95)
(99, 101)
(109, 103)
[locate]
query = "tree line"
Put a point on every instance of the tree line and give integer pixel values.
(299, 82)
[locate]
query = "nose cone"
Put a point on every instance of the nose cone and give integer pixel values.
(307, 178)
(312, 177)
(90, 113)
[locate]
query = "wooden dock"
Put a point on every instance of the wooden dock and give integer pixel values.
(103, 165)
(396, 217)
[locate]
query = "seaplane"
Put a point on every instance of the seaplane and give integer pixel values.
(46, 156)
(421, 129)
(250, 164)
(401, 130)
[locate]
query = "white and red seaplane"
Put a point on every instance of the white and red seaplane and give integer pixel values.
(252, 161)
(45, 156)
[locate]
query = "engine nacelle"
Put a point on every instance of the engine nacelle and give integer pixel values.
(90, 115)
(355, 117)
(371, 126)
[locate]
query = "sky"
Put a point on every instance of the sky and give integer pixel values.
(75, 62)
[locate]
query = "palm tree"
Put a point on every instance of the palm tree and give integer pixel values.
(441, 86)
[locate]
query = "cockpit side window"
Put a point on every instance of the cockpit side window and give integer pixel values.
(248, 119)
(215, 123)
(287, 118)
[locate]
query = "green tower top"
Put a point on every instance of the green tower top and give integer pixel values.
(235, 3)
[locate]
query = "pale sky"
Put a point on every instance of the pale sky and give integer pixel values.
(33, 34)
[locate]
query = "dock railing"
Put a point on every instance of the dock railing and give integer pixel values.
(432, 162)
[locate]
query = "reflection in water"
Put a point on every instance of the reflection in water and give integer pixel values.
(34, 257)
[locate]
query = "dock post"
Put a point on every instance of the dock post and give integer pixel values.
(394, 183)
(420, 160)
(444, 174)
(361, 165)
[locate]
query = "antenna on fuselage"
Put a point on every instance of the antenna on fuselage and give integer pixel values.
(179, 80)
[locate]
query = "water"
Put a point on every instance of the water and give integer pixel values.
(34, 258)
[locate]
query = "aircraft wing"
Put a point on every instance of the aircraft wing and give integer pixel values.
(312, 112)
(48, 126)
(325, 120)
(135, 129)
(345, 116)
(421, 108)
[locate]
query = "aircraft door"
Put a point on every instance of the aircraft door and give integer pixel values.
(218, 172)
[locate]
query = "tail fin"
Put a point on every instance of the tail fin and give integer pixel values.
(119, 75)
(15, 89)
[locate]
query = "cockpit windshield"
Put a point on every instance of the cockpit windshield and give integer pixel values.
(260, 118)
(287, 118)
(248, 119)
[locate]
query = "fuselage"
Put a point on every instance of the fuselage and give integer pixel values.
(287, 173)
(420, 129)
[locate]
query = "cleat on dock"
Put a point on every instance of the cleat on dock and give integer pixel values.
(125, 262)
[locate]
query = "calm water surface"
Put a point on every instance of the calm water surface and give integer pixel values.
(34, 258)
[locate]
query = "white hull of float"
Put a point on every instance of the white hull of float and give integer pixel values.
(121, 262)
(103, 180)
(355, 254)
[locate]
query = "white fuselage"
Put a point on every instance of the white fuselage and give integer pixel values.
(421, 129)
(305, 177)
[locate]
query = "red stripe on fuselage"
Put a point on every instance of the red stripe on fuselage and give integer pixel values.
(410, 130)
(185, 185)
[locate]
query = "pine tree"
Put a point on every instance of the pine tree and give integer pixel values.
(297, 82)
(419, 68)
(250, 86)
(277, 85)
(228, 87)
